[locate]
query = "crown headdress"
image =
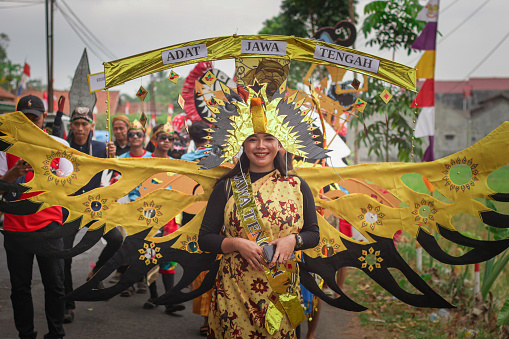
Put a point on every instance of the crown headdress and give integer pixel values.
(136, 125)
(236, 119)
(166, 128)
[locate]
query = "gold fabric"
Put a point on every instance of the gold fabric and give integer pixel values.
(37, 148)
(259, 119)
(201, 304)
(242, 296)
(363, 211)
(119, 71)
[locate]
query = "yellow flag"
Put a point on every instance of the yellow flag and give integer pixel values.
(426, 66)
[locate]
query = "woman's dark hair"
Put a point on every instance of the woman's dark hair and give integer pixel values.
(280, 163)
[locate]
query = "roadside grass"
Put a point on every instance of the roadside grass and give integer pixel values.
(389, 317)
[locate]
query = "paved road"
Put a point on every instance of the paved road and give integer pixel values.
(124, 317)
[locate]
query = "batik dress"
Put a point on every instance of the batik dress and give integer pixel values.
(240, 297)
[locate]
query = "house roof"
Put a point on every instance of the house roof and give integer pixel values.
(5, 95)
(100, 104)
(477, 84)
(489, 102)
(136, 107)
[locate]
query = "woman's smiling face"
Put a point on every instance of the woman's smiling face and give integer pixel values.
(261, 149)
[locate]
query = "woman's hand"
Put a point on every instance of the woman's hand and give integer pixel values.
(250, 251)
(284, 249)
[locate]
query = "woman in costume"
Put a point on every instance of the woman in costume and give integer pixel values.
(253, 296)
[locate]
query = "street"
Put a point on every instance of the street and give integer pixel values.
(123, 317)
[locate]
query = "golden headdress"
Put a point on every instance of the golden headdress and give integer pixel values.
(166, 128)
(237, 119)
(136, 125)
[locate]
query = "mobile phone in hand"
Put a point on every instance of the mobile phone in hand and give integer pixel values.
(269, 251)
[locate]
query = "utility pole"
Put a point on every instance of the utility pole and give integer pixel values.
(49, 51)
(356, 157)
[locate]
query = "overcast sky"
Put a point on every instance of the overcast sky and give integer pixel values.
(129, 27)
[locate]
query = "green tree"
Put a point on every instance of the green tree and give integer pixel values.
(395, 129)
(10, 73)
(392, 24)
(302, 18)
(164, 92)
(36, 84)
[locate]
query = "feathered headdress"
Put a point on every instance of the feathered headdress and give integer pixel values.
(237, 119)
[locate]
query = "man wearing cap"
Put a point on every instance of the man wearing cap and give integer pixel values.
(19, 259)
(80, 138)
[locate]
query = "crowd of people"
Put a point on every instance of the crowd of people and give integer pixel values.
(129, 142)
(261, 162)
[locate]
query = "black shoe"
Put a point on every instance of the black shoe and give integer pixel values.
(68, 316)
(170, 309)
(149, 305)
(141, 287)
(128, 292)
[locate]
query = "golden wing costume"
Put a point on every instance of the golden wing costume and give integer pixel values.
(418, 214)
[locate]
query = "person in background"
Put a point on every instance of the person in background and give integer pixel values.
(58, 125)
(201, 305)
(80, 138)
(163, 138)
(19, 259)
(135, 137)
(120, 126)
(197, 132)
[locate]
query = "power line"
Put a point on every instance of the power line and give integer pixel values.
(23, 1)
(28, 4)
(490, 53)
(455, 28)
(464, 21)
(450, 5)
(83, 34)
(78, 33)
(97, 41)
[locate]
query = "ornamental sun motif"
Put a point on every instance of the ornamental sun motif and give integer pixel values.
(371, 216)
(150, 253)
(460, 174)
(327, 247)
(51, 170)
(95, 206)
(190, 244)
(370, 258)
(424, 212)
(150, 212)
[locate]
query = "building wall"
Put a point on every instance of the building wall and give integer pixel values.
(457, 128)
(489, 119)
(451, 127)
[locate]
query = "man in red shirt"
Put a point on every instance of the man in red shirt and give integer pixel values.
(19, 259)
